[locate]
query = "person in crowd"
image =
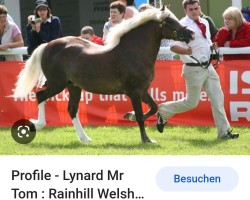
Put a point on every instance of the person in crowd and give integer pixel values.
(42, 27)
(10, 36)
(198, 73)
(144, 6)
(88, 33)
(246, 13)
(234, 33)
(117, 11)
(212, 28)
(131, 10)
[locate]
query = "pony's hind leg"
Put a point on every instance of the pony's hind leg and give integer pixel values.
(42, 96)
(75, 95)
(40, 122)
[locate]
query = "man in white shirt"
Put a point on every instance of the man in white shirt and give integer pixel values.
(198, 73)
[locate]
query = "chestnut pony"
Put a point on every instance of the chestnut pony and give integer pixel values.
(125, 65)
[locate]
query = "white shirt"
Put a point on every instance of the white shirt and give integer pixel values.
(200, 45)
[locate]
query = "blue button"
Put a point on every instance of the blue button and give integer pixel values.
(197, 178)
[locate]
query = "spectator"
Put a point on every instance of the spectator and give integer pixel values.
(131, 10)
(198, 73)
(88, 33)
(117, 11)
(144, 7)
(42, 27)
(235, 33)
(246, 13)
(10, 36)
(212, 28)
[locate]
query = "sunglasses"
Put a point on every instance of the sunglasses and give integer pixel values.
(42, 8)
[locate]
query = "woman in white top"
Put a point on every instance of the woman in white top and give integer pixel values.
(131, 10)
(117, 11)
(10, 36)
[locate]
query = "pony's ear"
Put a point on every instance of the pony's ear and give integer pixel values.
(163, 7)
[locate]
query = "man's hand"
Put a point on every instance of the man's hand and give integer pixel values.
(189, 51)
(227, 44)
(214, 46)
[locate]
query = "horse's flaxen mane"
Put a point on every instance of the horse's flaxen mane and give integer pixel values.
(119, 30)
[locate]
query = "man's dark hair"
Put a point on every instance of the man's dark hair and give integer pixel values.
(119, 5)
(187, 2)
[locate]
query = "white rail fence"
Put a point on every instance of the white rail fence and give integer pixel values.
(163, 50)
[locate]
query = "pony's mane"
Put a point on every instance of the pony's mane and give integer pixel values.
(115, 34)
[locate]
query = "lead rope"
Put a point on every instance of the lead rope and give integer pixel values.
(217, 56)
(200, 63)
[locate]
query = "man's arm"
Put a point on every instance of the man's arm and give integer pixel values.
(181, 50)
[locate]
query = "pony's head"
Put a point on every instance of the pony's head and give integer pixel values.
(169, 24)
(171, 27)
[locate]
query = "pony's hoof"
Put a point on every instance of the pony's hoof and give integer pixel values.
(130, 116)
(37, 124)
(149, 141)
(85, 139)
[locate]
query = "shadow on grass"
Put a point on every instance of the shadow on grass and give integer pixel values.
(197, 142)
(78, 145)
(205, 143)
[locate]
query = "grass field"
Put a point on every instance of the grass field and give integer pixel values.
(113, 140)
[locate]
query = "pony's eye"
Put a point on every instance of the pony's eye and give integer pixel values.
(172, 21)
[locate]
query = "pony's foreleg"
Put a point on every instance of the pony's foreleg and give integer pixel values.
(40, 122)
(136, 102)
(80, 132)
(146, 98)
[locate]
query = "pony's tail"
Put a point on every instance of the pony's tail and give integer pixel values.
(31, 74)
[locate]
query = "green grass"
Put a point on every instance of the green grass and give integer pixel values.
(114, 140)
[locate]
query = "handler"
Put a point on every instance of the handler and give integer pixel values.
(198, 73)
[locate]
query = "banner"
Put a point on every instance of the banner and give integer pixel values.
(96, 109)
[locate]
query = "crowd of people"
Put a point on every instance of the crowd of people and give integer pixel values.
(43, 27)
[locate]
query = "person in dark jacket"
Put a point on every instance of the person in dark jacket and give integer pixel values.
(212, 28)
(42, 27)
(246, 13)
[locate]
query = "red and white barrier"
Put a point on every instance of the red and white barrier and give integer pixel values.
(98, 109)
